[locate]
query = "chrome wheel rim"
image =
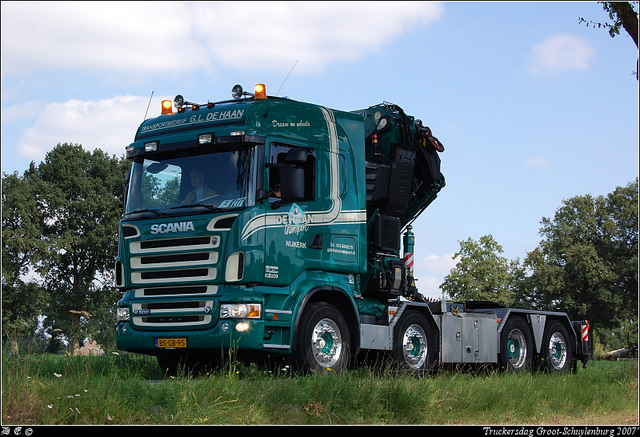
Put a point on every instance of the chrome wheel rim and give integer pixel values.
(326, 343)
(414, 346)
(557, 351)
(516, 349)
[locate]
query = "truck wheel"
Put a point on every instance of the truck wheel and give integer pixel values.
(414, 344)
(323, 339)
(557, 352)
(516, 346)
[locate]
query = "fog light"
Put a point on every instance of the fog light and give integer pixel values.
(224, 327)
(242, 327)
(204, 138)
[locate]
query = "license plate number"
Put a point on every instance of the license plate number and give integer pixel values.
(170, 343)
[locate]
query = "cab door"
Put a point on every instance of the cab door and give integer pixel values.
(293, 241)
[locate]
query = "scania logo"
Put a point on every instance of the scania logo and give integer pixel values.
(165, 228)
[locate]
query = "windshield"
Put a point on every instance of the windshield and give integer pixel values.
(222, 179)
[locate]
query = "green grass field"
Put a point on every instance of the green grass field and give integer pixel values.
(130, 389)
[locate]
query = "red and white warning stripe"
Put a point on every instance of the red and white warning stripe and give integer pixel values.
(585, 332)
(408, 262)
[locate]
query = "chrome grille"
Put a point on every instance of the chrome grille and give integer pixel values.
(174, 260)
(182, 291)
(174, 314)
(174, 282)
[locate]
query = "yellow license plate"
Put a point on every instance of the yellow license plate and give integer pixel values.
(170, 343)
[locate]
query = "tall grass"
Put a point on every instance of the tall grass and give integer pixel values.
(131, 389)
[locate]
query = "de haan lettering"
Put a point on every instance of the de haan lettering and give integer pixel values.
(165, 228)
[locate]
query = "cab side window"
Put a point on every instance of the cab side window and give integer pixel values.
(292, 173)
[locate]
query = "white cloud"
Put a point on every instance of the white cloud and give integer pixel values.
(21, 111)
(76, 36)
(107, 124)
(561, 53)
(139, 37)
(430, 272)
(537, 161)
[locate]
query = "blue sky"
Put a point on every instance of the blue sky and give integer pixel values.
(532, 106)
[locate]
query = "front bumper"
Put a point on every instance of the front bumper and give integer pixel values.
(228, 333)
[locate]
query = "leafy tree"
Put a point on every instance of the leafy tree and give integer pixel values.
(481, 273)
(622, 14)
(587, 263)
(20, 241)
(80, 205)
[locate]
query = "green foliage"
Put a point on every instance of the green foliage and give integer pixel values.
(20, 242)
(61, 220)
(587, 263)
(481, 273)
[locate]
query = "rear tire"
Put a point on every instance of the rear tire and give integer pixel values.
(516, 346)
(323, 342)
(557, 351)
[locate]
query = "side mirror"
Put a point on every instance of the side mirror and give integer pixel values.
(296, 156)
(127, 180)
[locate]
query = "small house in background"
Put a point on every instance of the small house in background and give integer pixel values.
(91, 348)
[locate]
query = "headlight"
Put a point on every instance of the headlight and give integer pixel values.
(122, 315)
(240, 311)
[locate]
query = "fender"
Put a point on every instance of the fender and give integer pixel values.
(339, 298)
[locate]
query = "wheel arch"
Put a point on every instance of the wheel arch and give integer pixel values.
(337, 297)
(428, 315)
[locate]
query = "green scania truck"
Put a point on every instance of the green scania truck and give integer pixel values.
(281, 228)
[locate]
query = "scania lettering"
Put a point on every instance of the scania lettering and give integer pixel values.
(281, 228)
(172, 227)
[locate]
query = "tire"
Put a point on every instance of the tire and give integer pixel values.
(557, 351)
(414, 344)
(516, 346)
(323, 340)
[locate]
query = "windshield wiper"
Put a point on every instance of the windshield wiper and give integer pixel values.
(193, 205)
(154, 211)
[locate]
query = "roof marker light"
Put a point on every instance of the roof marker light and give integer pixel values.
(166, 107)
(261, 92)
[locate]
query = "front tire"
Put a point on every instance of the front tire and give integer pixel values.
(323, 340)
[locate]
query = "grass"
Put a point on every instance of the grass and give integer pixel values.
(130, 389)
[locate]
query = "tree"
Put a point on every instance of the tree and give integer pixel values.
(587, 262)
(622, 14)
(481, 273)
(80, 204)
(20, 241)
